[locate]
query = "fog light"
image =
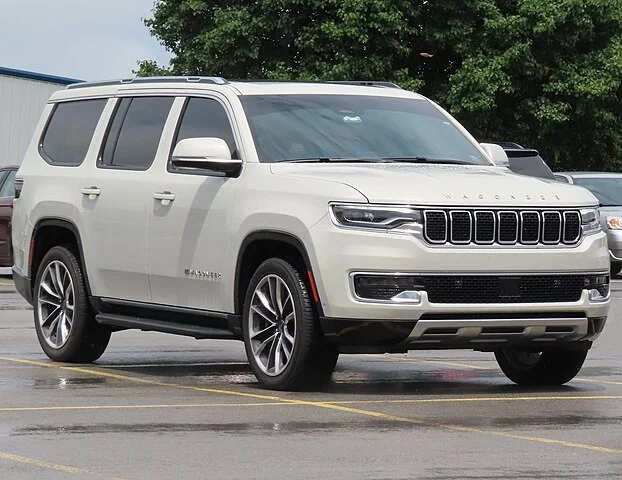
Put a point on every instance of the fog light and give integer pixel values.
(388, 288)
(598, 287)
(408, 296)
(598, 295)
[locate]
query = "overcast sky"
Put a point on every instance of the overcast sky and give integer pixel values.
(83, 39)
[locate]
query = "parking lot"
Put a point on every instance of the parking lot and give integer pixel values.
(158, 406)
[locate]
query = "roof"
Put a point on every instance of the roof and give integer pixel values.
(41, 77)
(237, 87)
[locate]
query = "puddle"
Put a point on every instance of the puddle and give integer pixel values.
(261, 428)
(62, 383)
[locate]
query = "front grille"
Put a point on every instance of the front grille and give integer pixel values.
(503, 289)
(504, 227)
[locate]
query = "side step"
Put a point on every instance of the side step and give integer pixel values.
(148, 324)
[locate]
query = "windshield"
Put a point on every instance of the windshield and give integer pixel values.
(295, 127)
(607, 190)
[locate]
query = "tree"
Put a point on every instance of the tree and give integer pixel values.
(546, 74)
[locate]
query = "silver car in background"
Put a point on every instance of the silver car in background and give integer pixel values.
(607, 187)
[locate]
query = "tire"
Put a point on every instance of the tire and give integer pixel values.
(615, 269)
(311, 360)
(75, 337)
(552, 366)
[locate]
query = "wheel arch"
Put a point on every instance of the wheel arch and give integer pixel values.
(255, 241)
(62, 224)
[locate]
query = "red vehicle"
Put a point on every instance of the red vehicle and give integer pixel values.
(7, 192)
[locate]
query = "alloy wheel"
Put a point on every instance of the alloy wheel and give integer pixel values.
(272, 325)
(56, 304)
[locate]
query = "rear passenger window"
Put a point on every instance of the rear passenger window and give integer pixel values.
(135, 131)
(69, 131)
(205, 117)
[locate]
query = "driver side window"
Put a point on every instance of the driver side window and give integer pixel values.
(206, 117)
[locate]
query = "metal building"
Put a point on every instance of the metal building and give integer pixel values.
(22, 98)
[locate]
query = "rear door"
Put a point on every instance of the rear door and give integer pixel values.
(116, 196)
(7, 191)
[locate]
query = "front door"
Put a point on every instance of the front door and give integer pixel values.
(189, 219)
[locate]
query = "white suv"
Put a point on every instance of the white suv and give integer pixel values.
(305, 219)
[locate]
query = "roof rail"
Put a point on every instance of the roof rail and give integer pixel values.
(366, 83)
(139, 80)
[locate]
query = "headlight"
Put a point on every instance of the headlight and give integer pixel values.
(590, 221)
(614, 223)
(375, 217)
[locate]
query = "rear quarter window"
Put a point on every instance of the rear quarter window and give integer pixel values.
(69, 131)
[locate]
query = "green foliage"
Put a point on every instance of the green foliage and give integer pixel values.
(546, 74)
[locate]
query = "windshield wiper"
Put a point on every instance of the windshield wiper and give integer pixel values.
(447, 161)
(333, 160)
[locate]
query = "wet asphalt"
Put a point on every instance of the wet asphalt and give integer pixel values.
(159, 406)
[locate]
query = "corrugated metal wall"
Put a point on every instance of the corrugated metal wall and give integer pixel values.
(21, 103)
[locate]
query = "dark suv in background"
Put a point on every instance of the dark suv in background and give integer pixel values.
(7, 192)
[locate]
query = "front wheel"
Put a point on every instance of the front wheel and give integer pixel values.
(283, 342)
(551, 366)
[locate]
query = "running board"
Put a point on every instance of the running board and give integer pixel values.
(151, 325)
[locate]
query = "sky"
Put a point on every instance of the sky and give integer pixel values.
(82, 39)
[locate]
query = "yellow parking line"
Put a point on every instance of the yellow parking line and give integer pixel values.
(328, 406)
(129, 407)
(139, 380)
(474, 367)
(435, 362)
(41, 464)
(589, 380)
(480, 399)
(291, 403)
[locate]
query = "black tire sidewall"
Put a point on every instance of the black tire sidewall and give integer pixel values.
(556, 366)
(79, 333)
(306, 332)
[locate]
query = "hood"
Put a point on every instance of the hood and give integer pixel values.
(446, 185)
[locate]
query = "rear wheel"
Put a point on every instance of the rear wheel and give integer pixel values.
(64, 322)
(551, 366)
(283, 342)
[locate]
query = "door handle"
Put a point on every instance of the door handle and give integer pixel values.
(165, 197)
(92, 192)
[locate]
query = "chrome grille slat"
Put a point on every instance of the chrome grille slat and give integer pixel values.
(530, 220)
(439, 219)
(460, 226)
(572, 223)
(507, 230)
(551, 228)
(502, 227)
(485, 227)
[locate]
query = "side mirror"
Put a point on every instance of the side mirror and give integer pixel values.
(496, 154)
(206, 153)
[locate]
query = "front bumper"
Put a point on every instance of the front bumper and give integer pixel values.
(484, 332)
(23, 285)
(337, 253)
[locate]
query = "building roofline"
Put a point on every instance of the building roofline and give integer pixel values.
(41, 77)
